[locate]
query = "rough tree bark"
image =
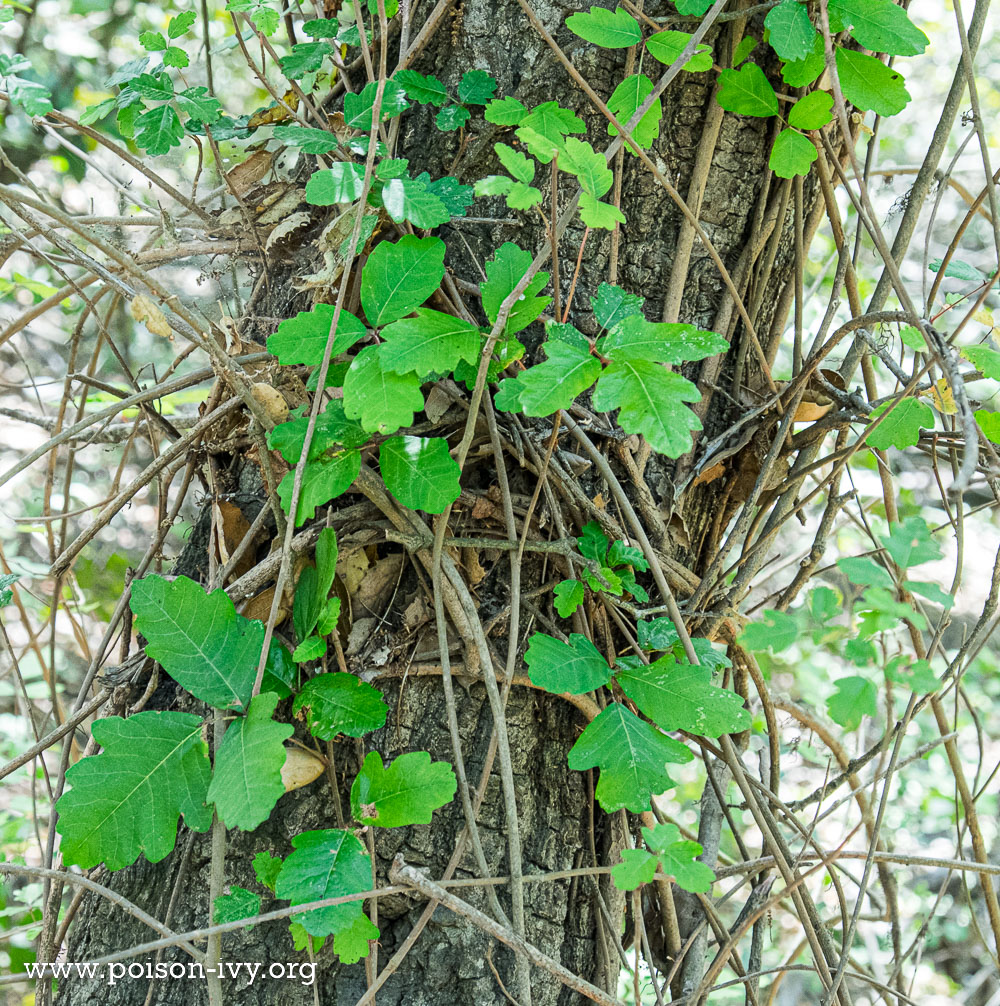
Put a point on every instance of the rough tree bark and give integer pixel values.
(738, 203)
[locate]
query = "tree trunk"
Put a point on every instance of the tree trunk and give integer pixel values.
(453, 961)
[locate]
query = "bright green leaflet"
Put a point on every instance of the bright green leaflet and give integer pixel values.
(957, 269)
(430, 343)
(426, 89)
(503, 273)
(591, 169)
(677, 857)
(323, 480)
(304, 58)
(307, 138)
(400, 276)
(611, 304)
(202, 108)
(593, 543)
(158, 130)
(865, 571)
(358, 108)
(746, 46)
(631, 755)
(520, 167)
(915, 674)
(615, 29)
(504, 111)
(855, 698)
(238, 904)
(985, 359)
(594, 213)
(813, 111)
(910, 543)
(451, 118)
(381, 400)
(650, 399)
(407, 792)
(327, 864)
(127, 799)
(637, 867)
(932, 591)
(311, 648)
(870, 84)
(266, 868)
(332, 427)
(626, 100)
(666, 46)
(246, 782)
(802, 72)
(408, 199)
(568, 597)
(200, 640)
(314, 584)
(634, 338)
(682, 697)
(881, 26)
(420, 472)
(340, 703)
(792, 154)
(302, 339)
(343, 183)
(792, 34)
(575, 667)
(776, 630)
(989, 423)
(747, 91)
(902, 426)
(553, 385)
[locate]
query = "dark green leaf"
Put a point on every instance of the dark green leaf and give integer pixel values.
(341, 703)
(575, 667)
(420, 472)
(476, 87)
(407, 792)
(503, 273)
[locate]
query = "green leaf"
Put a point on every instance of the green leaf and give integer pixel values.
(407, 792)
(33, 97)
(519, 166)
(476, 87)
(612, 304)
(199, 639)
(625, 101)
(902, 426)
(776, 630)
(343, 183)
(425, 89)
(594, 213)
(682, 697)
(326, 864)
(332, 428)
(152, 41)
(615, 29)
(553, 122)
(865, 571)
(181, 24)
(870, 85)
(430, 343)
(504, 111)
(677, 858)
(157, 130)
(399, 276)
(280, 672)
(178, 58)
(746, 46)
(451, 118)
(324, 479)
(340, 703)
(238, 904)
(127, 799)
(958, 269)
(854, 699)
(792, 154)
(7, 580)
(302, 339)
(266, 868)
(637, 867)
(885, 613)
(94, 113)
(802, 72)
(409, 199)
(650, 399)
(457, 197)
(660, 634)
(311, 648)
(568, 597)
(989, 423)
(621, 554)
(246, 782)
(503, 273)
(984, 359)
(554, 384)
(792, 34)
(591, 169)
(813, 111)
(420, 472)
(915, 674)
(307, 57)
(358, 108)
(152, 87)
(913, 338)
(693, 8)
(910, 543)
(747, 91)
(634, 338)
(381, 400)
(881, 26)
(307, 138)
(593, 543)
(323, 28)
(667, 46)
(574, 667)
(631, 755)
(932, 591)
